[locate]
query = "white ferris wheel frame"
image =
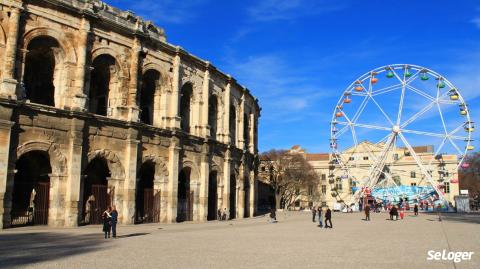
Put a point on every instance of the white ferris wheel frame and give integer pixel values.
(397, 127)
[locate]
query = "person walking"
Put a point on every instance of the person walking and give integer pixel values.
(367, 212)
(107, 221)
(415, 210)
(219, 214)
(439, 212)
(320, 224)
(328, 218)
(314, 212)
(224, 214)
(114, 216)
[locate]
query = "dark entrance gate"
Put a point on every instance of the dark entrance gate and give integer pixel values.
(212, 196)
(96, 195)
(233, 197)
(185, 196)
(151, 206)
(31, 190)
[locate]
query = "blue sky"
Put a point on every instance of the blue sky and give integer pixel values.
(298, 56)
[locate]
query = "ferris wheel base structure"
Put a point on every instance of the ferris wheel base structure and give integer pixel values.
(398, 107)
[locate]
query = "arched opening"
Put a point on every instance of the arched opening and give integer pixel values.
(31, 189)
(101, 83)
(150, 82)
(233, 197)
(185, 196)
(147, 202)
(96, 194)
(185, 109)
(213, 116)
(233, 125)
(246, 187)
(246, 130)
(212, 196)
(40, 70)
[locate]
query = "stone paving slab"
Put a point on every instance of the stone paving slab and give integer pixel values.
(293, 242)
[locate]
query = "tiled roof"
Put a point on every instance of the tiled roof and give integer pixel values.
(317, 156)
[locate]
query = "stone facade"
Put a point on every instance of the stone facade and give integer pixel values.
(112, 106)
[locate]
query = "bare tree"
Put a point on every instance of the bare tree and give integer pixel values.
(290, 176)
(469, 177)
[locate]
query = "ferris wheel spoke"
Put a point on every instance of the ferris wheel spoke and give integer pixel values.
(455, 146)
(437, 151)
(396, 75)
(422, 167)
(386, 89)
(360, 108)
(424, 133)
(412, 78)
(440, 113)
(381, 110)
(342, 131)
(400, 106)
(419, 92)
(418, 114)
(369, 126)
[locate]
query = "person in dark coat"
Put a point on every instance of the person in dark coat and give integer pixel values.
(328, 218)
(415, 210)
(114, 215)
(314, 212)
(107, 221)
(394, 212)
(320, 224)
(367, 212)
(219, 214)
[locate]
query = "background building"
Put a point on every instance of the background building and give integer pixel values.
(97, 109)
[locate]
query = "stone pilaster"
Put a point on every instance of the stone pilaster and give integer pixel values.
(8, 88)
(129, 185)
(204, 180)
(205, 98)
(174, 118)
(56, 210)
(173, 163)
(197, 207)
(6, 173)
(240, 126)
(73, 206)
(251, 145)
(227, 166)
(133, 110)
(226, 117)
(79, 96)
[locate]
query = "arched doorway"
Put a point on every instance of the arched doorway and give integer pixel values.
(96, 194)
(150, 82)
(233, 197)
(40, 70)
(233, 125)
(147, 200)
(212, 196)
(31, 189)
(102, 79)
(246, 187)
(185, 103)
(185, 196)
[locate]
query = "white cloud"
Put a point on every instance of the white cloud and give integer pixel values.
(476, 21)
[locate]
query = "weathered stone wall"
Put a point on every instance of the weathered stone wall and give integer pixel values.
(79, 32)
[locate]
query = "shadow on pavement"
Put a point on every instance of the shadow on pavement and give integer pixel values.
(132, 235)
(456, 217)
(28, 248)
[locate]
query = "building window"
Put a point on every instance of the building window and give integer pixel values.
(324, 177)
(263, 168)
(365, 158)
(447, 187)
(324, 189)
(413, 184)
(413, 175)
(297, 203)
(447, 174)
(338, 184)
(395, 156)
(351, 158)
(310, 190)
(324, 203)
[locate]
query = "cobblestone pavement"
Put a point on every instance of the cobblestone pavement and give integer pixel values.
(293, 242)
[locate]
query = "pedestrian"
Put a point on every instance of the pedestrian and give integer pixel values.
(367, 212)
(107, 221)
(114, 216)
(439, 212)
(219, 214)
(314, 212)
(393, 213)
(320, 224)
(328, 218)
(224, 214)
(273, 215)
(415, 210)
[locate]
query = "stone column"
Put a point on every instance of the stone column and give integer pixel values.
(174, 118)
(80, 97)
(131, 160)
(74, 180)
(204, 104)
(226, 180)
(56, 205)
(251, 145)
(253, 188)
(133, 109)
(204, 181)
(195, 187)
(173, 163)
(8, 87)
(240, 126)
(6, 173)
(241, 197)
(161, 184)
(226, 117)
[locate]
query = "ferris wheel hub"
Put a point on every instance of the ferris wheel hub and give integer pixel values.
(396, 129)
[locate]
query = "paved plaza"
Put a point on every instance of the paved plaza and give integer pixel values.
(293, 242)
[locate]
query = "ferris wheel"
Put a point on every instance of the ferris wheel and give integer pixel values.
(399, 130)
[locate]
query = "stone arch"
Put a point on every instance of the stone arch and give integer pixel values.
(65, 59)
(195, 172)
(58, 161)
(186, 106)
(120, 64)
(161, 170)
(3, 37)
(116, 169)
